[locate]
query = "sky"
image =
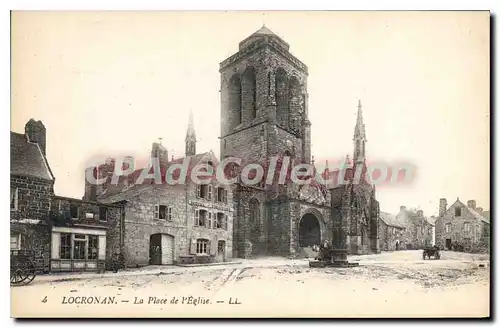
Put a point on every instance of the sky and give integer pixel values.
(112, 83)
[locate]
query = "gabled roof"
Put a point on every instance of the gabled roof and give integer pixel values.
(391, 220)
(471, 210)
(27, 159)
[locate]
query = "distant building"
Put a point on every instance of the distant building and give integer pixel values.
(390, 233)
(461, 226)
(418, 228)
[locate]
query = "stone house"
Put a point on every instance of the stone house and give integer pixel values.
(264, 115)
(390, 232)
(419, 229)
(31, 189)
(170, 223)
(85, 235)
(462, 226)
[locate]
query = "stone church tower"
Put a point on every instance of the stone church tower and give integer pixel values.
(264, 114)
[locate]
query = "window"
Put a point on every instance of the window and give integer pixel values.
(162, 212)
(202, 246)
(15, 242)
(13, 198)
(209, 194)
(202, 191)
(466, 226)
(93, 247)
(103, 214)
(221, 218)
(221, 195)
(458, 211)
(200, 218)
(65, 246)
(74, 211)
(447, 227)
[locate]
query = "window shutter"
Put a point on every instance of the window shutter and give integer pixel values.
(192, 249)
(198, 191)
(216, 194)
(225, 195)
(196, 217)
(209, 193)
(157, 211)
(225, 221)
(169, 217)
(56, 246)
(208, 222)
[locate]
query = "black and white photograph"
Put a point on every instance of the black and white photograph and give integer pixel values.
(250, 164)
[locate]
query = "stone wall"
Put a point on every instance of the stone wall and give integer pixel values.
(33, 197)
(389, 235)
(140, 221)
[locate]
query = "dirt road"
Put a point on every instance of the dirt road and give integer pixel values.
(398, 284)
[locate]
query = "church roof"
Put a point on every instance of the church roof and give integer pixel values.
(262, 33)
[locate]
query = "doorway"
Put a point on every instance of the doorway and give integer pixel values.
(309, 231)
(155, 249)
(397, 245)
(448, 244)
(221, 251)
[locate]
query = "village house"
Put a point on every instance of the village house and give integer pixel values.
(170, 223)
(462, 227)
(60, 231)
(390, 232)
(85, 235)
(419, 229)
(31, 188)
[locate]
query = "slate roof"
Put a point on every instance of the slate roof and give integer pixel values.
(391, 220)
(478, 216)
(27, 159)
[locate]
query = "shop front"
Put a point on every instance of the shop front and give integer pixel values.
(78, 249)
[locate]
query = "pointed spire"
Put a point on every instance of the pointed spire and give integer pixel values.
(190, 137)
(359, 130)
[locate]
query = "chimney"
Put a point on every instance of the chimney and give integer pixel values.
(479, 210)
(471, 204)
(420, 213)
(158, 151)
(402, 208)
(442, 206)
(35, 132)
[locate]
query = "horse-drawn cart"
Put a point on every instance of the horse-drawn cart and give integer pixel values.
(22, 267)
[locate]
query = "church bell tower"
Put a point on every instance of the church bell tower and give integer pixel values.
(264, 101)
(359, 138)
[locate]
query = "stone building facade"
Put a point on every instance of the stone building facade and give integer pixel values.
(419, 229)
(31, 189)
(390, 233)
(264, 115)
(168, 223)
(462, 226)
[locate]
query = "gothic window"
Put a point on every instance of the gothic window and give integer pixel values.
(249, 93)
(281, 81)
(235, 101)
(357, 148)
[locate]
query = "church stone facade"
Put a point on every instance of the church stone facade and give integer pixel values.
(264, 114)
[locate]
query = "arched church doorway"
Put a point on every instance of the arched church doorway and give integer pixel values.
(309, 231)
(397, 245)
